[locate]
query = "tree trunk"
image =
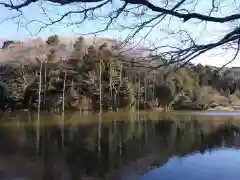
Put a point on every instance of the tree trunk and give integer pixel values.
(120, 85)
(45, 81)
(165, 108)
(138, 98)
(154, 86)
(100, 87)
(39, 107)
(110, 84)
(40, 88)
(145, 90)
(63, 91)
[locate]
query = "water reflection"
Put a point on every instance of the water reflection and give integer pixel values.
(117, 146)
(221, 164)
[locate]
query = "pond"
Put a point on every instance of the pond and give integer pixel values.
(120, 146)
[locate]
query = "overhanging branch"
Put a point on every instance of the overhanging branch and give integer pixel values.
(184, 16)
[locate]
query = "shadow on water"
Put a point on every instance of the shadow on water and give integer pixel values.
(79, 147)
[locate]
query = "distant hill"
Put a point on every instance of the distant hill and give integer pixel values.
(31, 48)
(27, 52)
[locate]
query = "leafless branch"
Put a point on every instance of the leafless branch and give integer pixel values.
(84, 11)
(148, 15)
(184, 16)
(234, 57)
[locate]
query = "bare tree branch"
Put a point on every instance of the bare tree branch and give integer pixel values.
(61, 2)
(148, 15)
(18, 7)
(184, 16)
(84, 11)
(234, 57)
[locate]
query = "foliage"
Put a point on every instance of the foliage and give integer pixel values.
(10, 43)
(182, 101)
(164, 94)
(78, 70)
(53, 40)
(204, 95)
(237, 93)
(186, 81)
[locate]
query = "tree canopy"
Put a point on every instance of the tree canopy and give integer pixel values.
(82, 76)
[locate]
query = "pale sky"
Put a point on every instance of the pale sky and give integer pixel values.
(10, 30)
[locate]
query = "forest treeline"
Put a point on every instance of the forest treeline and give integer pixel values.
(95, 78)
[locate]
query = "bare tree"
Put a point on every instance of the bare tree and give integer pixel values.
(173, 20)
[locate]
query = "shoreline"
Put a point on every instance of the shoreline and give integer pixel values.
(129, 110)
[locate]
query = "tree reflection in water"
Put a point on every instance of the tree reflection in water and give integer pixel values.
(106, 150)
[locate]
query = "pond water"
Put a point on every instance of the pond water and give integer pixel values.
(120, 146)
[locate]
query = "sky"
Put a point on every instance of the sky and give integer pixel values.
(10, 29)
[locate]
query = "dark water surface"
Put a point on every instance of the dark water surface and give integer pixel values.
(120, 146)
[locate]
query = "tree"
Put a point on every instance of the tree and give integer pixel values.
(204, 95)
(186, 81)
(182, 101)
(53, 46)
(9, 43)
(164, 94)
(80, 48)
(53, 40)
(143, 16)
